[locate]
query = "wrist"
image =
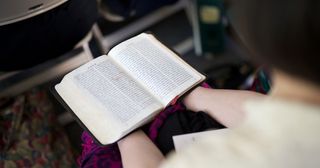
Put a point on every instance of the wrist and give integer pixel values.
(130, 137)
(193, 100)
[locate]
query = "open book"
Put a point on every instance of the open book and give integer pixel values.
(116, 93)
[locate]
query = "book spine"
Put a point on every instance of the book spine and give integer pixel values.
(211, 29)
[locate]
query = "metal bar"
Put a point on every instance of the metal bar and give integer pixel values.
(141, 24)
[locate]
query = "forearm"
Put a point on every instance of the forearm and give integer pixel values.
(226, 106)
(138, 151)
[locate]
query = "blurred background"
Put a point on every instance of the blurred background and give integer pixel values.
(43, 40)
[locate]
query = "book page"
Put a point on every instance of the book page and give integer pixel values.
(183, 141)
(156, 67)
(88, 113)
(118, 95)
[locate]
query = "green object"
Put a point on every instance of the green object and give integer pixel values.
(210, 14)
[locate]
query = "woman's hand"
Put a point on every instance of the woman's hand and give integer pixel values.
(226, 106)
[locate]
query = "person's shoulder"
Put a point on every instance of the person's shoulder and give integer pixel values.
(230, 150)
(244, 149)
(269, 132)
